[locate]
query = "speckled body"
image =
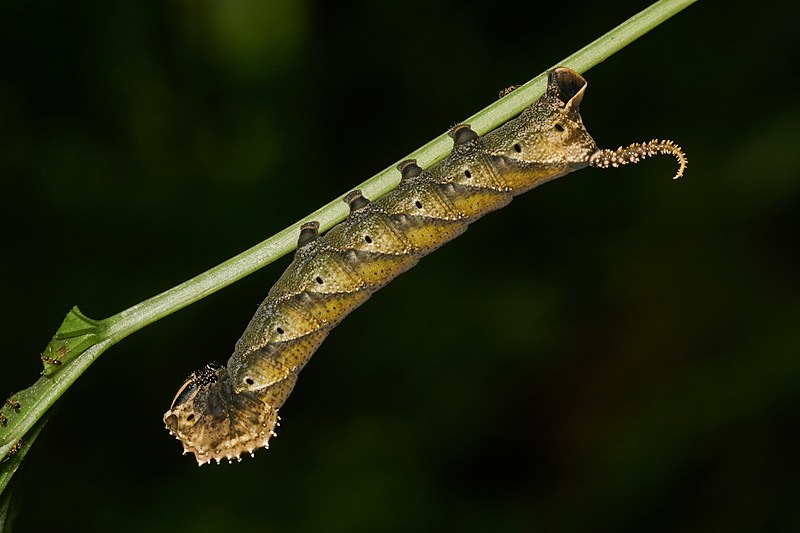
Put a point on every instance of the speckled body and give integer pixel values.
(220, 413)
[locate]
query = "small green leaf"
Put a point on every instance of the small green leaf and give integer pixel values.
(76, 334)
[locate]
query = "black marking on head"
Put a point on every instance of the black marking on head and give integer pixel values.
(205, 376)
(409, 169)
(308, 232)
(462, 133)
(355, 200)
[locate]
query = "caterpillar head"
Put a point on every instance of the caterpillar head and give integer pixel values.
(214, 422)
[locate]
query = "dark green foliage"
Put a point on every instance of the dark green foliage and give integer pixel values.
(648, 377)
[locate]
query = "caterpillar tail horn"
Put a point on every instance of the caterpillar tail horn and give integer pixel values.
(636, 152)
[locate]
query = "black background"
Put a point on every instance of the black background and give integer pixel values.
(612, 352)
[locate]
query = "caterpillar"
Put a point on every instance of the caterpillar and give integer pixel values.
(220, 412)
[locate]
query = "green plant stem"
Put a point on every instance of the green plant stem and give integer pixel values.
(7, 504)
(80, 340)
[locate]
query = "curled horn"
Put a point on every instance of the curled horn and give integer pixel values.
(568, 86)
(636, 152)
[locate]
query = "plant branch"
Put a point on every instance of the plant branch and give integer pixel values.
(81, 340)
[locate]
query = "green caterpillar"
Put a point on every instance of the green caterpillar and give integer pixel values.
(222, 412)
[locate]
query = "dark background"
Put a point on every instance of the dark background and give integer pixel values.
(613, 352)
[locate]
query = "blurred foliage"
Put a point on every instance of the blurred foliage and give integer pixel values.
(612, 352)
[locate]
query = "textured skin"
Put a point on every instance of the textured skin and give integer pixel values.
(220, 413)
